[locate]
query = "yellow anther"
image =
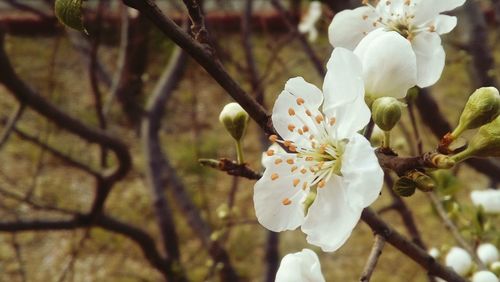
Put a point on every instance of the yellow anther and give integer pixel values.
(308, 113)
(292, 148)
(294, 168)
(305, 128)
(432, 28)
(300, 131)
(287, 143)
(291, 127)
(286, 202)
(278, 161)
(300, 101)
(273, 138)
(321, 183)
(309, 159)
(303, 171)
(365, 17)
(290, 161)
(296, 182)
(332, 121)
(319, 118)
(270, 153)
(274, 176)
(291, 112)
(304, 186)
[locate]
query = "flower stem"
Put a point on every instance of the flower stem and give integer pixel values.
(387, 139)
(239, 152)
(462, 156)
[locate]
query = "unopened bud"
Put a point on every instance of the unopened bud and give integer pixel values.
(482, 107)
(485, 143)
(424, 182)
(69, 12)
(442, 161)
(386, 112)
(404, 187)
(235, 120)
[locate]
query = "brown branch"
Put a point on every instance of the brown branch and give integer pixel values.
(231, 168)
(411, 250)
(205, 59)
(375, 253)
(11, 124)
(153, 155)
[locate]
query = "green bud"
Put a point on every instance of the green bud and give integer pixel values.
(423, 182)
(386, 112)
(495, 268)
(69, 12)
(482, 107)
(404, 187)
(235, 120)
(485, 143)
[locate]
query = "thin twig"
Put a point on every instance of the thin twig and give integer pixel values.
(375, 253)
(11, 124)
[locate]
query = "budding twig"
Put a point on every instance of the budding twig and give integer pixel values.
(375, 253)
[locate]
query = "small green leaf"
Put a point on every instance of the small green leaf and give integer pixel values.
(69, 12)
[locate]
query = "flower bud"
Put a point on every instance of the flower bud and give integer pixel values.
(386, 112)
(235, 120)
(487, 253)
(495, 267)
(404, 187)
(424, 182)
(458, 259)
(482, 107)
(484, 276)
(485, 143)
(434, 252)
(69, 12)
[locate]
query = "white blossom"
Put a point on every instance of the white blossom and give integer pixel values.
(308, 22)
(301, 266)
(484, 276)
(434, 252)
(458, 259)
(419, 21)
(327, 157)
(488, 199)
(488, 253)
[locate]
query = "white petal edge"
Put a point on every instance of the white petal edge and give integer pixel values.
(444, 24)
(300, 266)
(430, 58)
(361, 173)
(330, 219)
(389, 64)
(350, 26)
(427, 10)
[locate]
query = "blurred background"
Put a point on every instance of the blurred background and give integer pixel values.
(105, 80)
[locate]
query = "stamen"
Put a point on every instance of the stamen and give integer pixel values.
(286, 202)
(305, 128)
(303, 171)
(308, 113)
(293, 148)
(287, 143)
(300, 101)
(304, 186)
(291, 112)
(273, 138)
(270, 153)
(278, 161)
(319, 118)
(365, 17)
(321, 184)
(274, 176)
(332, 121)
(432, 28)
(294, 168)
(300, 131)
(290, 161)
(291, 127)
(296, 182)
(309, 159)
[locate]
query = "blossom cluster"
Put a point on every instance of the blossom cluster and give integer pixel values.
(321, 172)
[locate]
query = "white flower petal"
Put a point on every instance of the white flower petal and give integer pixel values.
(430, 58)
(362, 175)
(488, 199)
(389, 64)
(428, 9)
(350, 26)
(344, 93)
(445, 24)
(330, 219)
(278, 202)
(484, 276)
(301, 266)
(266, 159)
(289, 112)
(458, 259)
(488, 253)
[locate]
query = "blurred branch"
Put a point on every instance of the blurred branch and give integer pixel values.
(453, 229)
(375, 253)
(231, 168)
(411, 250)
(11, 124)
(316, 61)
(153, 154)
(28, 8)
(24, 94)
(205, 59)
